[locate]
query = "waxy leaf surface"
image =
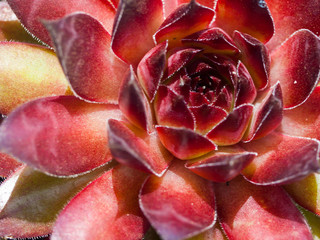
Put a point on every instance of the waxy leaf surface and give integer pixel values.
(179, 204)
(296, 64)
(247, 16)
(137, 149)
(290, 16)
(107, 208)
(305, 119)
(58, 142)
(281, 159)
(83, 48)
(221, 165)
(257, 212)
(134, 25)
(184, 143)
(185, 20)
(31, 12)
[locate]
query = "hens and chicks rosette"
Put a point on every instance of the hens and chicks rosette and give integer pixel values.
(167, 119)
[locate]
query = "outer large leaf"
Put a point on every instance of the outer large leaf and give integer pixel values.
(108, 208)
(248, 16)
(83, 48)
(30, 13)
(281, 159)
(135, 23)
(59, 135)
(292, 15)
(252, 212)
(296, 64)
(28, 72)
(304, 120)
(178, 205)
(31, 200)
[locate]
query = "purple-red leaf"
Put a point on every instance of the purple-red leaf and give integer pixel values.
(137, 149)
(184, 143)
(213, 40)
(134, 25)
(221, 165)
(232, 128)
(83, 48)
(255, 56)
(185, 20)
(171, 109)
(207, 117)
(134, 104)
(246, 91)
(267, 114)
(151, 68)
(247, 16)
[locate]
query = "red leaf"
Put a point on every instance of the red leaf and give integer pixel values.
(31, 12)
(69, 137)
(178, 205)
(134, 25)
(296, 64)
(255, 57)
(94, 73)
(247, 16)
(281, 159)
(136, 149)
(221, 165)
(184, 143)
(134, 104)
(108, 208)
(292, 15)
(232, 128)
(252, 212)
(183, 21)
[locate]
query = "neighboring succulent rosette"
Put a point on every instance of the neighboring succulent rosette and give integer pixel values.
(163, 119)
